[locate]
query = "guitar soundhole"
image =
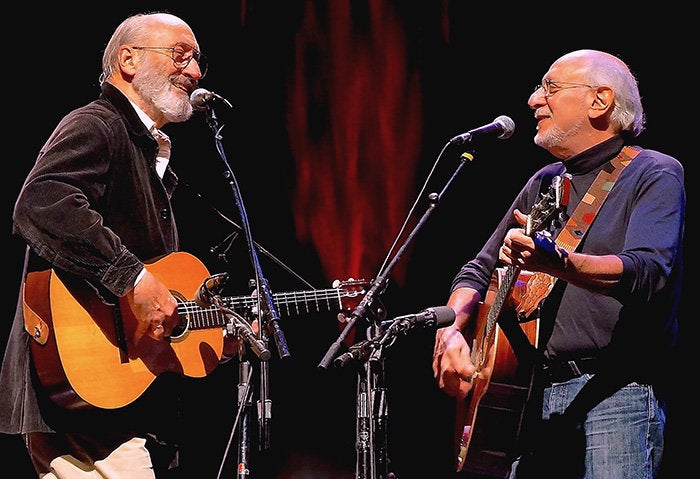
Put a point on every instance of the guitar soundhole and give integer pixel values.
(183, 318)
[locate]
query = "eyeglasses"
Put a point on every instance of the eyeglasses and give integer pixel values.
(550, 87)
(182, 54)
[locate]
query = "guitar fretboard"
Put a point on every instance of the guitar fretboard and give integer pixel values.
(290, 303)
(507, 282)
(542, 212)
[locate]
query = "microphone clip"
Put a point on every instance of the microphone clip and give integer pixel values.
(210, 290)
(238, 326)
(201, 99)
(391, 329)
(357, 352)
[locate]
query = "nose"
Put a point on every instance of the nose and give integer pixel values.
(537, 99)
(193, 69)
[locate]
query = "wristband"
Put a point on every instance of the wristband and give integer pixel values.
(544, 241)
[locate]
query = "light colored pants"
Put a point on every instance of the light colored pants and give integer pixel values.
(130, 460)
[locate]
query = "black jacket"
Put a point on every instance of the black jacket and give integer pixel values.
(93, 208)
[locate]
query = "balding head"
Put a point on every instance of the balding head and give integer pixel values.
(142, 28)
(601, 68)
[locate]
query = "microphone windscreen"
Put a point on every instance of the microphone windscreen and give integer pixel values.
(199, 98)
(444, 315)
(508, 126)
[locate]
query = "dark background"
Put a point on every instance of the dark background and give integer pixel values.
(495, 55)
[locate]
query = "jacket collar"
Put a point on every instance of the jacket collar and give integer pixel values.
(122, 104)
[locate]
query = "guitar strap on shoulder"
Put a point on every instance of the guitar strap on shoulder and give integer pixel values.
(582, 217)
(540, 284)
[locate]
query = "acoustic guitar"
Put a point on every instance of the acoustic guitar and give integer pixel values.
(488, 420)
(88, 356)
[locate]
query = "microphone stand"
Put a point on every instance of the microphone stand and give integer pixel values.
(372, 406)
(244, 405)
(266, 311)
(371, 431)
(242, 415)
(367, 304)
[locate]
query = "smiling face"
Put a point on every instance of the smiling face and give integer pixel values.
(572, 112)
(159, 65)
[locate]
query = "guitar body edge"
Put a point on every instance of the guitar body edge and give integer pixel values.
(85, 351)
(90, 358)
(488, 420)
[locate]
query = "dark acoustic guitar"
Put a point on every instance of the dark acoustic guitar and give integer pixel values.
(488, 420)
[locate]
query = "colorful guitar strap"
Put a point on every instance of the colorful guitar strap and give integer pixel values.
(539, 284)
(582, 217)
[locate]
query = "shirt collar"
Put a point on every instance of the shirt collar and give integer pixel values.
(144, 118)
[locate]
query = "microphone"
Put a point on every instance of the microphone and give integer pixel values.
(211, 287)
(357, 351)
(201, 98)
(248, 335)
(503, 126)
(207, 295)
(437, 317)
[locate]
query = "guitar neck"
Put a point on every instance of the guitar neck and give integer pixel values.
(291, 303)
(541, 213)
(507, 281)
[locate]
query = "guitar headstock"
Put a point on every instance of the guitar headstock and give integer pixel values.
(351, 292)
(549, 205)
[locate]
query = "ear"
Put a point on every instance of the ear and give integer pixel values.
(603, 101)
(127, 61)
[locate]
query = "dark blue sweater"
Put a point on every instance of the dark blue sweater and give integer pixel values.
(641, 221)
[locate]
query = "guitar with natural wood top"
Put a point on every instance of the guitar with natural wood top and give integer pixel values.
(488, 420)
(89, 357)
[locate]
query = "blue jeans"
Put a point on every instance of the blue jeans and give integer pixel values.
(622, 436)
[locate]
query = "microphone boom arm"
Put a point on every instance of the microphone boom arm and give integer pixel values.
(380, 283)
